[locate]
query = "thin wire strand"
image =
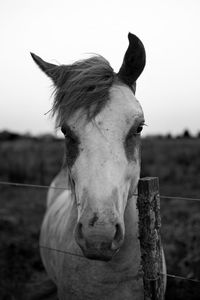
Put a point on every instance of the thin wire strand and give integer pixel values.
(179, 198)
(181, 278)
(17, 184)
(32, 185)
(61, 251)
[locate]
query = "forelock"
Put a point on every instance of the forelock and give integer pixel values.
(82, 85)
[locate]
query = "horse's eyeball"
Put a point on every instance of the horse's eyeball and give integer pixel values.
(63, 129)
(139, 129)
(68, 135)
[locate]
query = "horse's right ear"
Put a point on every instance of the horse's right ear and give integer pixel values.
(50, 70)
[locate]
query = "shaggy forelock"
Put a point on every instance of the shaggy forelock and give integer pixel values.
(82, 85)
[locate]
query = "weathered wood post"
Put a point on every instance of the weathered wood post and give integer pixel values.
(148, 204)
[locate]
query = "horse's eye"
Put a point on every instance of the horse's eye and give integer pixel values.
(134, 132)
(69, 135)
(139, 129)
(63, 129)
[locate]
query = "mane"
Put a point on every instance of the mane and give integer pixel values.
(82, 85)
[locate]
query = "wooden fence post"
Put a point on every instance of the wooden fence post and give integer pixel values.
(148, 204)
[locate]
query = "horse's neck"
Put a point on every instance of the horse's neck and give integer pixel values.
(58, 185)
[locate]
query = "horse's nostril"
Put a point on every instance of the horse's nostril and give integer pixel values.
(118, 234)
(118, 238)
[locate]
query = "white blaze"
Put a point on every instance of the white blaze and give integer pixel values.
(102, 168)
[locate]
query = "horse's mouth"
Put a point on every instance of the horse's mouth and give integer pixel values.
(99, 254)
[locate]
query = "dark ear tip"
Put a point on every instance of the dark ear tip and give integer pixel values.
(133, 38)
(34, 56)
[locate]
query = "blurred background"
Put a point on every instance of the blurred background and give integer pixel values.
(31, 149)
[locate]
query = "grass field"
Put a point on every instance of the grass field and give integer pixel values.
(175, 161)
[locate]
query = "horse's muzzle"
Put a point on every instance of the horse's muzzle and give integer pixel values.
(100, 242)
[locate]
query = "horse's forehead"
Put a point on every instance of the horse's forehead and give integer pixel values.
(120, 111)
(123, 105)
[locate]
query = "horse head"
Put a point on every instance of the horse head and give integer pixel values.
(101, 120)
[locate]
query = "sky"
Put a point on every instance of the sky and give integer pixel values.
(64, 31)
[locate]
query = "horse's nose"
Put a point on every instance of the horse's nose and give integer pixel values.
(100, 241)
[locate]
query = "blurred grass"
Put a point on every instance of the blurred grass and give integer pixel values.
(21, 215)
(177, 164)
(37, 160)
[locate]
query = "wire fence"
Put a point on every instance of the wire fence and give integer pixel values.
(37, 186)
(17, 184)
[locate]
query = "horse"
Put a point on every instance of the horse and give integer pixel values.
(89, 235)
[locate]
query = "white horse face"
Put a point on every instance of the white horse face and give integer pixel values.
(105, 170)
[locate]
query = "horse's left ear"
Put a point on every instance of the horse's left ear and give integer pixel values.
(134, 61)
(49, 69)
